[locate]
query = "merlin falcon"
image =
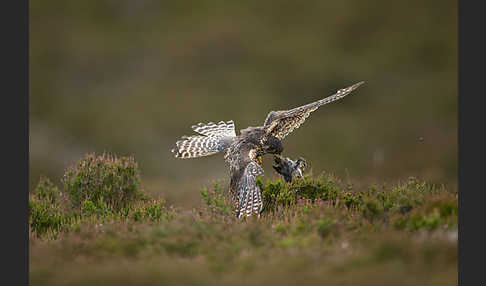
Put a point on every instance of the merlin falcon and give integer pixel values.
(244, 152)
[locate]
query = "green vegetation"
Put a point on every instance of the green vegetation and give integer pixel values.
(96, 189)
(216, 200)
(103, 182)
(46, 212)
(316, 229)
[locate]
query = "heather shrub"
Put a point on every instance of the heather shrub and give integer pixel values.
(278, 194)
(431, 213)
(96, 189)
(352, 200)
(325, 187)
(406, 205)
(47, 212)
(153, 210)
(106, 181)
(216, 200)
(47, 191)
(371, 209)
(46, 217)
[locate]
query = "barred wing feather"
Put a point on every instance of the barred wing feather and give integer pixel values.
(282, 123)
(214, 138)
(212, 129)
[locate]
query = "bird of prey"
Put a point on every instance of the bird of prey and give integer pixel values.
(244, 152)
(289, 168)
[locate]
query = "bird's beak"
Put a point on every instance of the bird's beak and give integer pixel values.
(259, 159)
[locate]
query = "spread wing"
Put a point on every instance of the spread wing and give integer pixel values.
(282, 123)
(249, 199)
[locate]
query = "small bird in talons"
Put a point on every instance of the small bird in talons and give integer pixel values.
(289, 168)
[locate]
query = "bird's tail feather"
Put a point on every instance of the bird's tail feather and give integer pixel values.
(249, 197)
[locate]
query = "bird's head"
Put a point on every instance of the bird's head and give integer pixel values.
(301, 164)
(273, 145)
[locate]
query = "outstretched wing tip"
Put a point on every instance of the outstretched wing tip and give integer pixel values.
(356, 85)
(282, 123)
(351, 88)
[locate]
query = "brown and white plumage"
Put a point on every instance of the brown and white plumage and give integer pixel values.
(248, 199)
(214, 138)
(282, 123)
(243, 152)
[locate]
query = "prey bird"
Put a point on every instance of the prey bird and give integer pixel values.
(244, 152)
(289, 168)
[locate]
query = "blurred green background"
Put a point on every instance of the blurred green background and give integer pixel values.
(131, 77)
